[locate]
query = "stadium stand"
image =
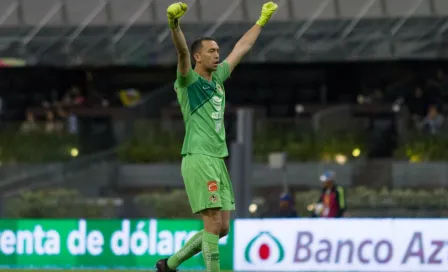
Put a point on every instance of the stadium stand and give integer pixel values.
(99, 32)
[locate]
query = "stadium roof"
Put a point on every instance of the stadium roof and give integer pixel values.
(101, 32)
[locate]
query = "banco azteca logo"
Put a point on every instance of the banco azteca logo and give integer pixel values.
(264, 249)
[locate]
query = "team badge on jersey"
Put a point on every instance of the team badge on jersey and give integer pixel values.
(213, 198)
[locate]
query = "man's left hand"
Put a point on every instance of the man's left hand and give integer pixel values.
(266, 13)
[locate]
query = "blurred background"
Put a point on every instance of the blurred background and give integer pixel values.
(90, 126)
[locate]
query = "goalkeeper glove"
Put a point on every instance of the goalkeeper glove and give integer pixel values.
(175, 12)
(266, 13)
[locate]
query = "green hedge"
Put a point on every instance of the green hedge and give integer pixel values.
(423, 147)
(57, 203)
(35, 147)
(61, 203)
(149, 149)
(164, 205)
(307, 146)
(165, 146)
(152, 141)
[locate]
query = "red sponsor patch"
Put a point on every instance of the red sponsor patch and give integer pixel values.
(212, 186)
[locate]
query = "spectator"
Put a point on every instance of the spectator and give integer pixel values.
(332, 200)
(29, 124)
(73, 97)
(287, 209)
(51, 124)
(71, 121)
(66, 100)
(433, 121)
(78, 98)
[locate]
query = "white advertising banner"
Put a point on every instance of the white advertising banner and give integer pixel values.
(405, 245)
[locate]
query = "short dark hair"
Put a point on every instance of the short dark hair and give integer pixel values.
(197, 44)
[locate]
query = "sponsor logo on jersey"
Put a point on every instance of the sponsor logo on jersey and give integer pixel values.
(217, 99)
(217, 115)
(216, 102)
(212, 186)
(218, 126)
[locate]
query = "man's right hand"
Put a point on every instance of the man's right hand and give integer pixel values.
(175, 12)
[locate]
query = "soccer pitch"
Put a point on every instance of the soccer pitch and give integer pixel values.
(86, 270)
(89, 270)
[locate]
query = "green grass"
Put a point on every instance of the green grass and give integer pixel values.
(88, 270)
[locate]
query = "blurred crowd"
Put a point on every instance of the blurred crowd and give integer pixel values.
(57, 114)
(424, 97)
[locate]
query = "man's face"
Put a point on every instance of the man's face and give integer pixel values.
(208, 55)
(327, 184)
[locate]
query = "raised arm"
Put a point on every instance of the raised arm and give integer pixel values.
(174, 13)
(248, 40)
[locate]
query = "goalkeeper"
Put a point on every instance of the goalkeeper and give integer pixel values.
(201, 95)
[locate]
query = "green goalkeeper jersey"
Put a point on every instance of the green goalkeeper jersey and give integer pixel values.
(202, 103)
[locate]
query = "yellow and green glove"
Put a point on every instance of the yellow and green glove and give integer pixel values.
(175, 12)
(266, 13)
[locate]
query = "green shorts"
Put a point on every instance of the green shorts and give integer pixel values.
(207, 183)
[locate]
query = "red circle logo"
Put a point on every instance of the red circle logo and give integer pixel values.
(264, 252)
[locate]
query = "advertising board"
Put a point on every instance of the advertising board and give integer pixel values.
(341, 245)
(100, 243)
